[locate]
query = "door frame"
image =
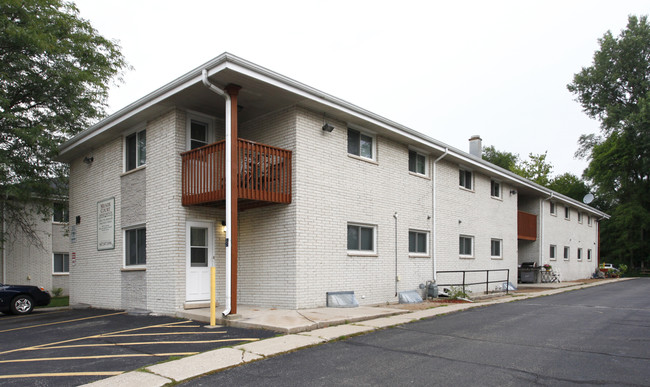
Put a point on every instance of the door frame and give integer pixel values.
(211, 253)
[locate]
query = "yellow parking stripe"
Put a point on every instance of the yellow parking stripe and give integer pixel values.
(49, 374)
(40, 346)
(98, 357)
(60, 322)
(165, 334)
(32, 315)
(142, 343)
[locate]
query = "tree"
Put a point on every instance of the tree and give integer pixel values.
(505, 160)
(569, 185)
(615, 90)
(536, 168)
(54, 80)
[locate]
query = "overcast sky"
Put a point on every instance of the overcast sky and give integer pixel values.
(449, 69)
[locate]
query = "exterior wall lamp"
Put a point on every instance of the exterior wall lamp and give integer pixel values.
(327, 127)
(89, 160)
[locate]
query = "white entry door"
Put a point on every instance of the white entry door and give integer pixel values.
(200, 253)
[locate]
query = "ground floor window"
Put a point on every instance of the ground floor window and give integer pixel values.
(61, 263)
(495, 248)
(361, 238)
(135, 246)
(579, 254)
(589, 255)
(466, 245)
(566, 253)
(418, 242)
(552, 254)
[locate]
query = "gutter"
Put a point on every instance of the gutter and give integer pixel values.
(434, 258)
(229, 227)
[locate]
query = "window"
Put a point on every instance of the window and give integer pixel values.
(579, 254)
(361, 238)
(418, 242)
(553, 208)
(495, 189)
(567, 213)
(465, 178)
(60, 213)
(495, 248)
(417, 163)
(552, 252)
(589, 220)
(566, 253)
(360, 144)
(579, 217)
(589, 255)
(136, 149)
(198, 246)
(135, 247)
(61, 263)
(466, 245)
(199, 132)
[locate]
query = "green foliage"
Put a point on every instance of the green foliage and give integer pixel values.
(505, 160)
(54, 81)
(615, 89)
(536, 168)
(569, 185)
(57, 292)
(456, 292)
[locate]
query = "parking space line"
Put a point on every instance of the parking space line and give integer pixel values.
(142, 343)
(50, 374)
(99, 357)
(33, 315)
(60, 322)
(165, 334)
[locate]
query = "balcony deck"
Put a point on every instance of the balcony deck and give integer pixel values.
(264, 174)
(526, 226)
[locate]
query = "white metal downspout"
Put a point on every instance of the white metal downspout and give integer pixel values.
(225, 95)
(541, 227)
(434, 260)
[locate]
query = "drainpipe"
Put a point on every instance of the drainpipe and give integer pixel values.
(541, 229)
(4, 244)
(433, 216)
(396, 278)
(229, 227)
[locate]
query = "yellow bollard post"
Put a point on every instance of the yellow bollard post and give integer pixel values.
(213, 302)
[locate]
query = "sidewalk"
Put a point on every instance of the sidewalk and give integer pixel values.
(305, 328)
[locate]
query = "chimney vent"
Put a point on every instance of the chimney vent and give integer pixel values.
(475, 145)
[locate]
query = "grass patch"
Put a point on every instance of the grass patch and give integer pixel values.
(57, 301)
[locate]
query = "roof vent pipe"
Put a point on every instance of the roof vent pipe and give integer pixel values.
(475, 146)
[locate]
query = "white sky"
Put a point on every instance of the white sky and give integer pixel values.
(449, 69)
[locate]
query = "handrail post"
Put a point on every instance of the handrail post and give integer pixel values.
(464, 281)
(508, 283)
(487, 281)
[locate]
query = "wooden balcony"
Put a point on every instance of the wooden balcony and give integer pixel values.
(526, 226)
(264, 174)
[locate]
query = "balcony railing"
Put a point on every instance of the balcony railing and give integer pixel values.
(264, 173)
(526, 226)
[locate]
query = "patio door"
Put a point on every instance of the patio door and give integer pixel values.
(200, 253)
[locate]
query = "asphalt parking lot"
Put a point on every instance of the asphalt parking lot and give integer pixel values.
(73, 347)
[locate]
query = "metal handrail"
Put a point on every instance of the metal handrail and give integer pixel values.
(487, 281)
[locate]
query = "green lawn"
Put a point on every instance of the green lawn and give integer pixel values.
(58, 301)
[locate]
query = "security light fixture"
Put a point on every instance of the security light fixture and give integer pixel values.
(327, 127)
(89, 160)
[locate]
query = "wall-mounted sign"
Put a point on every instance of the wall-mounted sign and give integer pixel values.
(73, 233)
(106, 224)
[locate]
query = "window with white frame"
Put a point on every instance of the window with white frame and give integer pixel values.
(417, 163)
(418, 242)
(60, 213)
(361, 144)
(199, 133)
(361, 238)
(566, 253)
(579, 254)
(552, 205)
(199, 246)
(552, 253)
(579, 217)
(466, 246)
(589, 255)
(135, 247)
(589, 220)
(495, 189)
(60, 263)
(465, 178)
(135, 148)
(495, 248)
(567, 213)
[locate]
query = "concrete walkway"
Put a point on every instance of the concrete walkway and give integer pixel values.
(306, 328)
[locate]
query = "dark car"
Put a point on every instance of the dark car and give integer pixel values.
(21, 299)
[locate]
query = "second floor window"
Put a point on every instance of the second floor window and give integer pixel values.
(417, 163)
(495, 189)
(465, 178)
(360, 144)
(198, 134)
(60, 213)
(136, 150)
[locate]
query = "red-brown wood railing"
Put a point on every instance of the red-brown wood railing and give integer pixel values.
(526, 226)
(264, 173)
